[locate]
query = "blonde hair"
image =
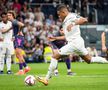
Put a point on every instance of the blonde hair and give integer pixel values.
(12, 12)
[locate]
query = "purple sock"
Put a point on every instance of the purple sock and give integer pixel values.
(24, 64)
(68, 63)
(20, 66)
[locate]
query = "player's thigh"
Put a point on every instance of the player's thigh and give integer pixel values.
(67, 49)
(86, 58)
(80, 47)
(10, 49)
(56, 54)
(3, 50)
(18, 52)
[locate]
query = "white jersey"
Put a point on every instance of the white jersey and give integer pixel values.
(7, 37)
(75, 32)
(7, 43)
(75, 41)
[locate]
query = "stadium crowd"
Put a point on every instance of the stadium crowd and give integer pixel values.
(41, 20)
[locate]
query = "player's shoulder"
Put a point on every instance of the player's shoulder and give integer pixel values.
(0, 22)
(9, 22)
(15, 21)
(75, 15)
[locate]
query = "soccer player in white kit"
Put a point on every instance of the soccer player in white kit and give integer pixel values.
(7, 48)
(70, 24)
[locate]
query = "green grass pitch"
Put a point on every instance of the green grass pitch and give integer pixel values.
(88, 77)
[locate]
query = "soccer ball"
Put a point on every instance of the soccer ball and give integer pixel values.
(30, 80)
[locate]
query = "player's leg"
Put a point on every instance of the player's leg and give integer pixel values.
(1, 63)
(89, 59)
(26, 67)
(68, 65)
(20, 58)
(52, 67)
(53, 64)
(82, 51)
(2, 56)
(9, 52)
(8, 63)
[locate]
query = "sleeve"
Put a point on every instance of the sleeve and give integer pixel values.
(15, 22)
(76, 17)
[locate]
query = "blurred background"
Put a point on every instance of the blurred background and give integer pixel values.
(40, 18)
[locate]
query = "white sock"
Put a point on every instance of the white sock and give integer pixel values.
(55, 70)
(52, 67)
(69, 70)
(99, 59)
(2, 62)
(8, 62)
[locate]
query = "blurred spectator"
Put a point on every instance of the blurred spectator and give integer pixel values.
(50, 20)
(59, 22)
(43, 34)
(29, 50)
(31, 14)
(16, 6)
(92, 51)
(28, 19)
(38, 53)
(38, 22)
(38, 13)
(47, 53)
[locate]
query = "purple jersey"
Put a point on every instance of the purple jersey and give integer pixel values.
(19, 41)
(15, 27)
(57, 44)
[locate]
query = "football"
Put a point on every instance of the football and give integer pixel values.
(30, 80)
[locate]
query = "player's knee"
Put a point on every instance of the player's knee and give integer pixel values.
(88, 61)
(87, 58)
(56, 56)
(9, 56)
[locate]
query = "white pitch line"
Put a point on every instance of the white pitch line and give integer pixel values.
(92, 76)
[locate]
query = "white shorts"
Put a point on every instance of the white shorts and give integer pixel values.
(7, 48)
(75, 47)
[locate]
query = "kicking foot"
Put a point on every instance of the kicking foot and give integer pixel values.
(20, 72)
(42, 80)
(27, 69)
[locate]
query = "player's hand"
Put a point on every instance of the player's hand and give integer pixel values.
(3, 30)
(104, 49)
(51, 38)
(69, 27)
(1, 39)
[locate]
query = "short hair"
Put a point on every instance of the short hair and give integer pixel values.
(3, 13)
(62, 6)
(12, 12)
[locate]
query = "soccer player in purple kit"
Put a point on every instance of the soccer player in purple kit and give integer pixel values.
(18, 42)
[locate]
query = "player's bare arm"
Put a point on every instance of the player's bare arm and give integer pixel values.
(56, 38)
(103, 39)
(6, 30)
(80, 21)
(21, 25)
